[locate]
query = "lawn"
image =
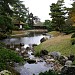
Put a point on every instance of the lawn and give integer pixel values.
(60, 43)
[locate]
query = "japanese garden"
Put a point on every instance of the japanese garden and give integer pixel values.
(29, 46)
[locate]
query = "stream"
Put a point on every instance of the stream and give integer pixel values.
(35, 68)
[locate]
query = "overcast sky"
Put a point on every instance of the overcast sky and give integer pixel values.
(41, 8)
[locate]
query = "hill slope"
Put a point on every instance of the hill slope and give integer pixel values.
(61, 43)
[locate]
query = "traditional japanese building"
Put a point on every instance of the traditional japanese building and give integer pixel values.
(20, 24)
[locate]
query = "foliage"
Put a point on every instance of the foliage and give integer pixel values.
(30, 20)
(48, 25)
(15, 28)
(69, 29)
(2, 36)
(20, 12)
(10, 10)
(73, 63)
(73, 35)
(49, 73)
(72, 12)
(5, 14)
(73, 41)
(7, 56)
(58, 15)
(5, 23)
(26, 27)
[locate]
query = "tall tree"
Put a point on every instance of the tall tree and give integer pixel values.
(31, 20)
(20, 12)
(6, 13)
(48, 25)
(57, 15)
(72, 12)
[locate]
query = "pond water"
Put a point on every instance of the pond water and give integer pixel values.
(30, 39)
(30, 69)
(35, 68)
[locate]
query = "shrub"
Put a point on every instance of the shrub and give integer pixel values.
(73, 41)
(69, 29)
(15, 28)
(7, 56)
(73, 35)
(26, 27)
(73, 63)
(2, 36)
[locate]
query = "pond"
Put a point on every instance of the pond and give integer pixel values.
(35, 68)
(32, 38)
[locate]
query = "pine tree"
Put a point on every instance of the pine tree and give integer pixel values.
(58, 15)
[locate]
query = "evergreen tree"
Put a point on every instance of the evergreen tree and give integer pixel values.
(6, 14)
(20, 12)
(31, 20)
(58, 15)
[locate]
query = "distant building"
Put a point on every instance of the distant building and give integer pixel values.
(19, 24)
(39, 25)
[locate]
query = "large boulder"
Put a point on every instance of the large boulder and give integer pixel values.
(55, 55)
(43, 39)
(43, 52)
(68, 63)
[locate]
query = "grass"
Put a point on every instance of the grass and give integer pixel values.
(61, 43)
(54, 33)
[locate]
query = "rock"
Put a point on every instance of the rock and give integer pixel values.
(71, 57)
(63, 59)
(38, 60)
(46, 57)
(68, 63)
(43, 52)
(21, 44)
(34, 45)
(28, 48)
(68, 70)
(57, 66)
(48, 61)
(32, 53)
(55, 55)
(30, 61)
(5, 72)
(43, 39)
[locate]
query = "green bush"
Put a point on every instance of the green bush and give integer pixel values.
(69, 29)
(26, 27)
(2, 36)
(7, 56)
(15, 28)
(73, 35)
(73, 41)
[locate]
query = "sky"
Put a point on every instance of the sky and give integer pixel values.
(41, 8)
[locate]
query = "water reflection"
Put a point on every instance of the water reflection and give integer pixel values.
(30, 69)
(34, 39)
